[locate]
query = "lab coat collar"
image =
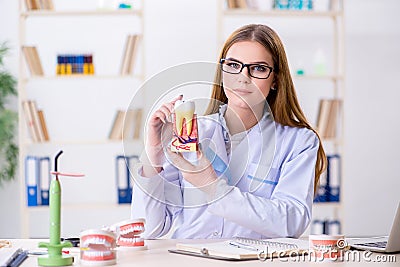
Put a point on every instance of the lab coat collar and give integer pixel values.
(258, 127)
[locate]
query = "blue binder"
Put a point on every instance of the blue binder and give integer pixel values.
(123, 181)
(45, 178)
(32, 180)
(333, 178)
(329, 188)
(37, 180)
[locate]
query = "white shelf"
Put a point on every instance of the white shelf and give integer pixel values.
(327, 204)
(334, 141)
(48, 13)
(82, 206)
(83, 77)
(83, 142)
(281, 13)
(318, 77)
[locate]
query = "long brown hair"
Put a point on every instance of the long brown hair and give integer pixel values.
(282, 101)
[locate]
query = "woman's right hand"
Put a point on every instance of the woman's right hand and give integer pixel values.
(158, 121)
(159, 134)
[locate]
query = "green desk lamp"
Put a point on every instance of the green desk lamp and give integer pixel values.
(55, 246)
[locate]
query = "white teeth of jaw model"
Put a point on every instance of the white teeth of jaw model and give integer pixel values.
(184, 110)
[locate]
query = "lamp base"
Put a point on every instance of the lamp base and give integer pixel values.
(63, 260)
(55, 256)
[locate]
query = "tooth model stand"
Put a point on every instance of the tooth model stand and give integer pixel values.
(55, 246)
(185, 127)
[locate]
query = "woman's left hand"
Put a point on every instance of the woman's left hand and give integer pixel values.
(201, 174)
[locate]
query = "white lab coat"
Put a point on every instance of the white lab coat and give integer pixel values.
(265, 189)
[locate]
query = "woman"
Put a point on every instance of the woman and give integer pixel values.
(259, 162)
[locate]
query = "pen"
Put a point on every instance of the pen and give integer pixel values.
(243, 246)
(22, 255)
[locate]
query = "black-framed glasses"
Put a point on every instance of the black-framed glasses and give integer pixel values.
(256, 70)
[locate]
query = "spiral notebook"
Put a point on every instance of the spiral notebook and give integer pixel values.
(244, 248)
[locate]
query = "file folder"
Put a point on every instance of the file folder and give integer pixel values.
(32, 180)
(329, 187)
(333, 178)
(123, 181)
(45, 179)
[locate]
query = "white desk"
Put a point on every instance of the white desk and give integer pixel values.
(157, 255)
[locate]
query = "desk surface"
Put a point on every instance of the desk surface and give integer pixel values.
(157, 255)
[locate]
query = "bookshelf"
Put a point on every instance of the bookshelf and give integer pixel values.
(79, 108)
(303, 33)
(95, 13)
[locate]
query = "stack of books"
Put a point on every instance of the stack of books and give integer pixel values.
(35, 121)
(126, 125)
(33, 61)
(238, 3)
(328, 116)
(68, 64)
(129, 54)
(39, 4)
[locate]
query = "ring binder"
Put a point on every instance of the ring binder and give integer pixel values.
(124, 186)
(32, 180)
(329, 189)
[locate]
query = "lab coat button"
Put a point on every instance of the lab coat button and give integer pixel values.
(215, 233)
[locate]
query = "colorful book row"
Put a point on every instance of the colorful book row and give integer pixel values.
(294, 4)
(276, 4)
(75, 64)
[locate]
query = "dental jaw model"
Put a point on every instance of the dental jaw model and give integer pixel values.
(129, 234)
(97, 248)
(185, 127)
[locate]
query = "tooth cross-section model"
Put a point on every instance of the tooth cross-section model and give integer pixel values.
(184, 111)
(185, 127)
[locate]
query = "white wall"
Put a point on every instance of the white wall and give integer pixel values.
(371, 183)
(9, 193)
(372, 180)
